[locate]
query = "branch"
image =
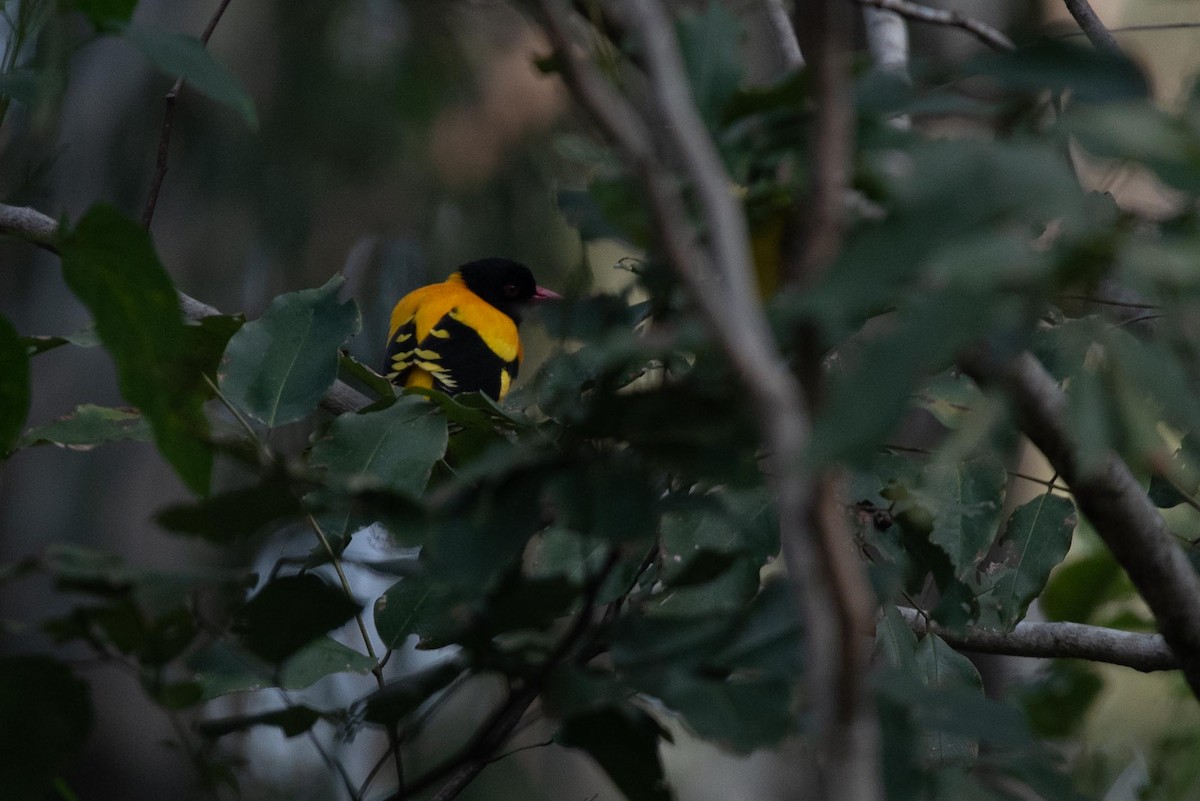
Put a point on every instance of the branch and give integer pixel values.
(938, 16)
(30, 225)
(823, 218)
(1144, 652)
(38, 229)
(1091, 26)
(784, 35)
(1111, 498)
(164, 135)
(718, 277)
(462, 768)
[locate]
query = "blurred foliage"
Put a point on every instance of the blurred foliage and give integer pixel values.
(604, 541)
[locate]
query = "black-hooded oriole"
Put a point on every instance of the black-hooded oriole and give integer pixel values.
(461, 335)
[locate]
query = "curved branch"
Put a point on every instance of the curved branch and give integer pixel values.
(38, 229)
(1144, 652)
(1111, 498)
(1092, 27)
(916, 12)
(30, 225)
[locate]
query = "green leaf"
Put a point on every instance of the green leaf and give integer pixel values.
(36, 345)
(624, 742)
(21, 85)
(89, 426)
(966, 500)
(110, 265)
(222, 667)
(709, 42)
(373, 381)
(422, 606)
(1060, 696)
(292, 720)
(289, 613)
(394, 448)
(895, 641)
(942, 668)
(45, 718)
(1035, 540)
(105, 15)
(1081, 586)
(180, 56)
(741, 713)
(278, 367)
(392, 702)
(230, 516)
(320, 658)
(586, 500)
(1090, 74)
(14, 386)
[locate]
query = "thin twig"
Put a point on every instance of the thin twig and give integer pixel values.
(1092, 27)
(42, 231)
(1144, 652)
(1153, 26)
(461, 769)
(916, 12)
(168, 123)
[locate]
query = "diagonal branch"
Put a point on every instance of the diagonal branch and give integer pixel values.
(916, 12)
(38, 229)
(164, 136)
(718, 276)
(1144, 652)
(1092, 27)
(1111, 498)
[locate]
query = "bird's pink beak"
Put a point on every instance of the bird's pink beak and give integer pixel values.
(541, 293)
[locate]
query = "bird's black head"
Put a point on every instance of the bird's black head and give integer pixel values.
(506, 284)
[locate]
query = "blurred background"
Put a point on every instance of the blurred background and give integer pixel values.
(396, 140)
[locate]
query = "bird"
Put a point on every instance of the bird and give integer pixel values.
(461, 335)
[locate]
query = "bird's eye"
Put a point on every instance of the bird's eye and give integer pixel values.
(511, 291)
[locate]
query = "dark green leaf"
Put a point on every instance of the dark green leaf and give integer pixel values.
(278, 367)
(14, 386)
(322, 657)
(740, 713)
(222, 667)
(289, 613)
(89, 426)
(1035, 541)
(895, 641)
(105, 14)
(373, 381)
(180, 56)
(178, 694)
(966, 500)
(624, 742)
(1078, 588)
(392, 702)
(709, 42)
(422, 606)
(110, 264)
(1092, 75)
(292, 720)
(1059, 698)
(394, 448)
(86, 338)
(21, 85)
(940, 668)
(45, 719)
(229, 516)
(587, 500)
